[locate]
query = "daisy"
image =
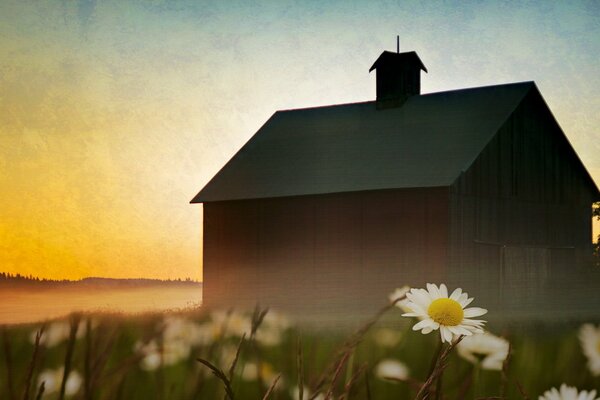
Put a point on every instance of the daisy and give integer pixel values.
(589, 336)
(398, 293)
(306, 394)
(390, 368)
(437, 310)
(52, 379)
(568, 393)
(484, 349)
(385, 337)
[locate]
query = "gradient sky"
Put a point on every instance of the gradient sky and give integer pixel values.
(115, 113)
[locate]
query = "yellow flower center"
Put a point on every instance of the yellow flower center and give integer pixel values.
(446, 311)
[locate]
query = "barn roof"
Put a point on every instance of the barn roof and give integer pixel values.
(397, 59)
(426, 142)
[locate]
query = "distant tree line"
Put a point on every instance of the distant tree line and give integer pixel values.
(7, 277)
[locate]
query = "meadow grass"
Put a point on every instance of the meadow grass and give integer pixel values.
(197, 354)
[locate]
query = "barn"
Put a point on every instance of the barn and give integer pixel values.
(326, 210)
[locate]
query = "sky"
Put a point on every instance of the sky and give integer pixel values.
(115, 113)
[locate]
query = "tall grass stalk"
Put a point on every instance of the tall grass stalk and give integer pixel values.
(221, 376)
(40, 392)
(74, 325)
(9, 365)
(300, 368)
(352, 342)
(272, 387)
(441, 361)
(87, 361)
(36, 348)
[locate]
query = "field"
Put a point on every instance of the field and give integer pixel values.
(170, 356)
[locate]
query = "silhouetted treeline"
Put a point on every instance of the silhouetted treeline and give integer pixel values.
(18, 279)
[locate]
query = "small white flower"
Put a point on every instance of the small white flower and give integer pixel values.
(385, 337)
(270, 331)
(589, 337)
(306, 394)
(485, 349)
(52, 379)
(150, 362)
(568, 393)
(235, 323)
(73, 383)
(274, 319)
(250, 372)
(399, 293)
(437, 310)
(390, 368)
(268, 336)
(59, 331)
(154, 355)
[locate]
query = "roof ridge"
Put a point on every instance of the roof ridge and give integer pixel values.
(523, 83)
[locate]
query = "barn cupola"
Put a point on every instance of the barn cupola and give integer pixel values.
(398, 77)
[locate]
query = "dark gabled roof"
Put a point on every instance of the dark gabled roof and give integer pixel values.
(398, 59)
(427, 142)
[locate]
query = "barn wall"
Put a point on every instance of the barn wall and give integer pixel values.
(324, 255)
(521, 215)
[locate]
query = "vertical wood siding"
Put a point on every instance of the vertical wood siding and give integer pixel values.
(521, 214)
(324, 255)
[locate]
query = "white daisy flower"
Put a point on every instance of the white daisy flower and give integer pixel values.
(153, 354)
(385, 337)
(390, 368)
(306, 394)
(437, 310)
(589, 336)
(398, 293)
(485, 349)
(59, 331)
(568, 393)
(250, 372)
(52, 379)
(398, 298)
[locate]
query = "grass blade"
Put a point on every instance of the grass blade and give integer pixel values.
(272, 387)
(219, 374)
(40, 392)
(522, 391)
(9, 367)
(235, 360)
(87, 363)
(336, 375)
(438, 370)
(69, 355)
(31, 368)
(300, 367)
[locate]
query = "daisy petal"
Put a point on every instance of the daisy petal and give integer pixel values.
(466, 302)
(434, 292)
(474, 312)
(422, 324)
(443, 290)
(456, 294)
(446, 334)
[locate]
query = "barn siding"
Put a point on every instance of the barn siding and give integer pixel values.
(521, 214)
(324, 255)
